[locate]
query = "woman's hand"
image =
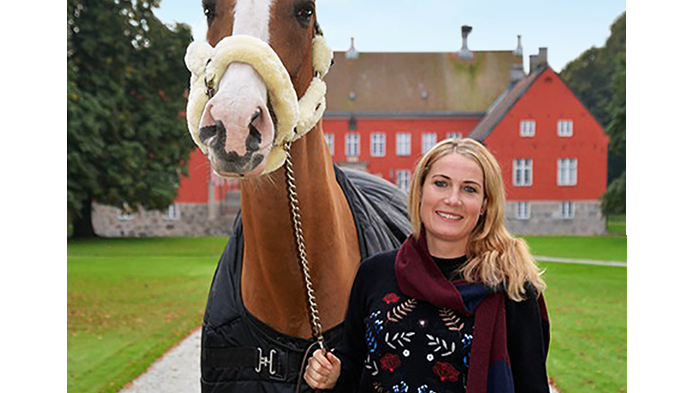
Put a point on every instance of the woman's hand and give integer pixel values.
(322, 372)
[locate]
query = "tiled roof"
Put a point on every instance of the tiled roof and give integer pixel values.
(377, 82)
(502, 105)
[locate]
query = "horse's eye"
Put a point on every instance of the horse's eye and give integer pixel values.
(305, 13)
(209, 11)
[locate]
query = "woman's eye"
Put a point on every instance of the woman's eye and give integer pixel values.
(440, 183)
(469, 189)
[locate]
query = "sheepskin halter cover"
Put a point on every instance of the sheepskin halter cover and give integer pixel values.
(295, 117)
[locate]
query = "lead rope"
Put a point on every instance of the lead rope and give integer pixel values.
(315, 318)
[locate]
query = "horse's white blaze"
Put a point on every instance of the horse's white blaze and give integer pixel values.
(252, 17)
(242, 91)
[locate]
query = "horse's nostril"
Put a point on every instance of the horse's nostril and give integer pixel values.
(210, 131)
(256, 115)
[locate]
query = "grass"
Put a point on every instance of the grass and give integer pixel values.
(588, 312)
(129, 300)
(604, 248)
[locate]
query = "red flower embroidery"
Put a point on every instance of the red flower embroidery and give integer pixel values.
(391, 298)
(390, 362)
(446, 371)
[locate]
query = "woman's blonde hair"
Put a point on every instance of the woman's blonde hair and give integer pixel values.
(494, 256)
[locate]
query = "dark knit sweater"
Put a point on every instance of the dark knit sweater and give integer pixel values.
(395, 343)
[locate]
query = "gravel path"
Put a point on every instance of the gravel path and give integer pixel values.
(177, 371)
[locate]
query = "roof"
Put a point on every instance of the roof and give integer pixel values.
(502, 105)
(396, 82)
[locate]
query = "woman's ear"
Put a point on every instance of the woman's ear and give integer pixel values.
(483, 207)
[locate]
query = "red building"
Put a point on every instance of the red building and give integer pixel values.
(384, 110)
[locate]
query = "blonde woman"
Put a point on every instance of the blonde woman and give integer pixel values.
(458, 307)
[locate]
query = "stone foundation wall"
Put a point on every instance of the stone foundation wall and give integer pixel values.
(190, 219)
(545, 219)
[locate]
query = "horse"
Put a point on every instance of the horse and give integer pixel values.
(303, 228)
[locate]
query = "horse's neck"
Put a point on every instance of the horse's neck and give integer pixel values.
(272, 282)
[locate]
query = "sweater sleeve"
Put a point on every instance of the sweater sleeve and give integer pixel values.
(528, 342)
(352, 350)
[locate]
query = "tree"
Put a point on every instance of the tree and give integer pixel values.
(615, 196)
(590, 76)
(127, 140)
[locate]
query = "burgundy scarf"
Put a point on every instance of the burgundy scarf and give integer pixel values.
(419, 277)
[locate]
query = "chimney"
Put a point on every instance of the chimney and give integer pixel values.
(352, 53)
(533, 63)
(464, 52)
(516, 73)
(542, 56)
(519, 49)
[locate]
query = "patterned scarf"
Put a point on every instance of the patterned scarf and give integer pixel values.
(419, 277)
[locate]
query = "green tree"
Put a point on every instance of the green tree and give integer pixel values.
(590, 76)
(127, 139)
(614, 197)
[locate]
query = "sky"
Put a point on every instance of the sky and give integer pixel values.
(566, 28)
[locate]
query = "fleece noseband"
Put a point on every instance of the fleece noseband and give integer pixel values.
(295, 117)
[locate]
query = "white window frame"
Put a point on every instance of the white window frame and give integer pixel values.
(352, 144)
(454, 134)
(567, 210)
(330, 139)
(567, 171)
(403, 144)
(403, 179)
(527, 128)
(522, 172)
(377, 144)
(565, 128)
(522, 210)
(173, 213)
(428, 140)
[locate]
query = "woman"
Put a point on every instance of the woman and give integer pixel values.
(458, 307)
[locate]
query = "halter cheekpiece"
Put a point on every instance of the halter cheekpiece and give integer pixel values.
(295, 117)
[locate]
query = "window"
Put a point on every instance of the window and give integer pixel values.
(403, 144)
(172, 214)
(429, 140)
(352, 144)
(329, 141)
(566, 171)
(377, 147)
(403, 179)
(567, 210)
(527, 128)
(522, 210)
(565, 128)
(522, 172)
(454, 134)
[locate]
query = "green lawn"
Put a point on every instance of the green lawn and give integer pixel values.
(129, 300)
(588, 313)
(604, 248)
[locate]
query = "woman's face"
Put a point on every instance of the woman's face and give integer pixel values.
(451, 203)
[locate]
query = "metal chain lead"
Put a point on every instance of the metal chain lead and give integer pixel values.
(296, 219)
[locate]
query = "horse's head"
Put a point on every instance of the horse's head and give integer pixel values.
(260, 57)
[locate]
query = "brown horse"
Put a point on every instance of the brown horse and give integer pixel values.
(239, 127)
